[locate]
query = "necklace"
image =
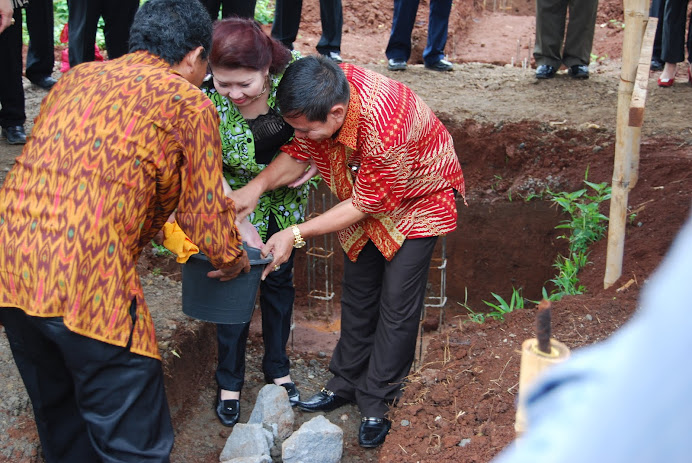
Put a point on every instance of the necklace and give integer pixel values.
(264, 89)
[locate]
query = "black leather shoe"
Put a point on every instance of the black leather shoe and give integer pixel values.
(228, 411)
(657, 64)
(442, 65)
(15, 135)
(323, 401)
(293, 393)
(579, 71)
(45, 82)
(373, 431)
(396, 65)
(545, 71)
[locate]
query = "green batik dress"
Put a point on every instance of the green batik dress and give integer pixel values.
(287, 205)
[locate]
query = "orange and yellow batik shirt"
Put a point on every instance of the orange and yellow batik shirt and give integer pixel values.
(116, 148)
(394, 159)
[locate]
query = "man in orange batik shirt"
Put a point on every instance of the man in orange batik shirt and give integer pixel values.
(116, 148)
(392, 164)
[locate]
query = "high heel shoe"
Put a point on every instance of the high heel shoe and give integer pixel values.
(666, 82)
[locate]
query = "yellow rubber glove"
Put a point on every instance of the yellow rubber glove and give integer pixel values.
(176, 241)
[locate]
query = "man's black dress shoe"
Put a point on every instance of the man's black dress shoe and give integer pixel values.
(293, 393)
(228, 411)
(373, 431)
(442, 65)
(657, 64)
(15, 135)
(545, 71)
(323, 401)
(579, 71)
(45, 82)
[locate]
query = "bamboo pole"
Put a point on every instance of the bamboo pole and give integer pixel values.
(636, 15)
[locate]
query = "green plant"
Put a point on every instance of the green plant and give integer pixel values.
(264, 11)
(502, 307)
(161, 251)
(586, 224)
(566, 281)
(156, 271)
(474, 317)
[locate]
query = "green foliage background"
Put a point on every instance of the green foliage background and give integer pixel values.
(264, 13)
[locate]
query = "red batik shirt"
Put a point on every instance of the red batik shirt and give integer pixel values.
(116, 148)
(394, 159)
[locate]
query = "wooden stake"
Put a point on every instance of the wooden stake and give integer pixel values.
(636, 116)
(636, 16)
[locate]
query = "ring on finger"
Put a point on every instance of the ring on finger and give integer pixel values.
(276, 268)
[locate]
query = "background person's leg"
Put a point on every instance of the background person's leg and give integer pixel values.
(332, 19)
(242, 8)
(550, 30)
(673, 38)
(118, 16)
(438, 22)
(404, 17)
(580, 31)
(286, 21)
(83, 17)
(40, 57)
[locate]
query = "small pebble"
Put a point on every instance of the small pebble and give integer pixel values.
(405, 423)
(344, 417)
(588, 317)
(464, 442)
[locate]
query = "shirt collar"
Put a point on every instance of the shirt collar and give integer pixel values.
(348, 134)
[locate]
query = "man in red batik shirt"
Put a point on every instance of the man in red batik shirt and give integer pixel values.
(392, 164)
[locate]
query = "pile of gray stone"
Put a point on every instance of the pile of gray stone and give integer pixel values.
(268, 435)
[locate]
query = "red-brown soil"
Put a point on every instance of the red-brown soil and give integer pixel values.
(515, 137)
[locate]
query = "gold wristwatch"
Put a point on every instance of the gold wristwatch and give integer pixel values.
(299, 241)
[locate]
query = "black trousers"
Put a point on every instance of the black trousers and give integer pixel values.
(40, 57)
(12, 107)
(241, 8)
(287, 22)
(82, 23)
(277, 294)
(673, 37)
(381, 304)
(656, 11)
(92, 401)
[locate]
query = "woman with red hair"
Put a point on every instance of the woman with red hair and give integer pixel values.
(246, 68)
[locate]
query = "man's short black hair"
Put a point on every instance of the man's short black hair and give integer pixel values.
(310, 87)
(170, 29)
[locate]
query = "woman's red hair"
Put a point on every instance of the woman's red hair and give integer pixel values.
(241, 43)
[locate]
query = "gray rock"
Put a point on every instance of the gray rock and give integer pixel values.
(247, 440)
(317, 441)
(257, 459)
(273, 411)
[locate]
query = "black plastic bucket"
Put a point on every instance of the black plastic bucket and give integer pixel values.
(225, 302)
